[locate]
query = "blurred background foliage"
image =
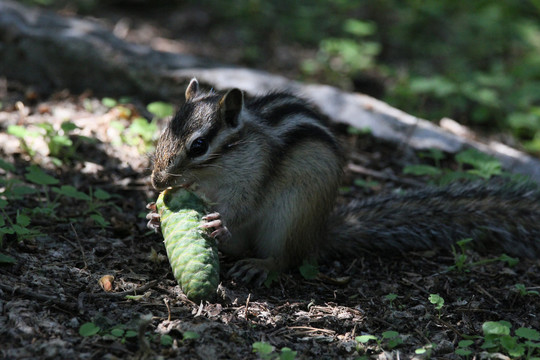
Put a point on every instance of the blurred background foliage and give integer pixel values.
(477, 62)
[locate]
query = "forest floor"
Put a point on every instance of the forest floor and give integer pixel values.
(54, 277)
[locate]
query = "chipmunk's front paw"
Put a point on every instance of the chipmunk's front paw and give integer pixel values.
(213, 221)
(250, 271)
(154, 220)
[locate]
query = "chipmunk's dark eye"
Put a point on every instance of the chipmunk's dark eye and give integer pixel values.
(198, 147)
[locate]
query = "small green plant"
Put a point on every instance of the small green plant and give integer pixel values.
(341, 58)
(390, 298)
(371, 184)
(389, 339)
(524, 292)
(23, 135)
(481, 166)
(438, 301)
(167, 340)
(94, 201)
(309, 270)
(268, 352)
(89, 329)
(160, 109)
(59, 141)
(497, 337)
(120, 333)
(463, 348)
(20, 227)
(422, 170)
(460, 257)
(425, 351)
(273, 276)
(109, 102)
(6, 259)
(351, 130)
(141, 133)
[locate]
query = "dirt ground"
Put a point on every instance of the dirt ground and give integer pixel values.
(53, 285)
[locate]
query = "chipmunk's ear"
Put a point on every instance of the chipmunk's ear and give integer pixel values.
(230, 106)
(192, 89)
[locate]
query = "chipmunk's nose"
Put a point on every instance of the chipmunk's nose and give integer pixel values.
(159, 181)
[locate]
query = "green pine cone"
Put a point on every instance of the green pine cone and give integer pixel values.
(192, 253)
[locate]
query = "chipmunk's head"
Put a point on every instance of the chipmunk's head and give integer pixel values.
(205, 127)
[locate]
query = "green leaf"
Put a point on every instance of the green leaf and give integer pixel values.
(17, 130)
(262, 348)
(436, 300)
(356, 131)
(99, 220)
(117, 332)
(516, 352)
(527, 333)
(272, 277)
(101, 194)
(464, 242)
(166, 340)
(6, 259)
(421, 170)
(23, 220)
(49, 129)
(508, 342)
(495, 328)
(465, 343)
(365, 338)
(437, 85)
(6, 166)
(287, 354)
(390, 334)
(71, 191)
(160, 109)
(88, 329)
(68, 126)
(108, 102)
(359, 28)
(308, 270)
(62, 140)
(38, 176)
(56, 161)
(511, 261)
(130, 333)
(187, 335)
(463, 352)
(142, 128)
(394, 342)
(432, 153)
(23, 190)
(474, 158)
(365, 184)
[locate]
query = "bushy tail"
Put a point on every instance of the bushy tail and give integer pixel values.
(499, 216)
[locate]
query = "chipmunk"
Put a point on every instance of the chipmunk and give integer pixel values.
(271, 168)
